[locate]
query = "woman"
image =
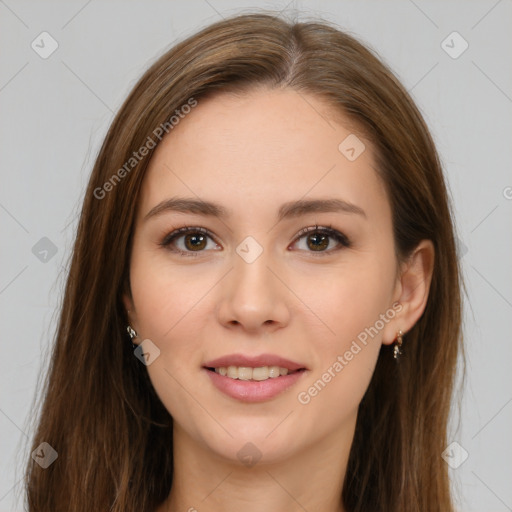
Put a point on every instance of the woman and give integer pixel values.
(263, 304)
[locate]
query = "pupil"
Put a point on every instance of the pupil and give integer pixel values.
(324, 242)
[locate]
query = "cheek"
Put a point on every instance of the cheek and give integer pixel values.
(165, 295)
(171, 314)
(347, 299)
(354, 308)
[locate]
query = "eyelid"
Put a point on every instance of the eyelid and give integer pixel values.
(175, 233)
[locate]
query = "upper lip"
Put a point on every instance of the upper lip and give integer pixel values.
(254, 362)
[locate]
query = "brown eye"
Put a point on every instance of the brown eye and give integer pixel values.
(322, 240)
(189, 241)
(195, 242)
(317, 242)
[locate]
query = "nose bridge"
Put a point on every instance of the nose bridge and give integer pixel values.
(251, 274)
(253, 296)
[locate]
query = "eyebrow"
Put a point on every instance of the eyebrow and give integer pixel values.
(287, 210)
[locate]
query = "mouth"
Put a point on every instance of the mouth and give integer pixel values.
(257, 374)
(253, 367)
(254, 378)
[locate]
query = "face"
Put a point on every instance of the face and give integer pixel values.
(257, 276)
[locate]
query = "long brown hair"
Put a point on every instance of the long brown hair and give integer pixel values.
(100, 412)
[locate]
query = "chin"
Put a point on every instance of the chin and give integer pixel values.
(253, 444)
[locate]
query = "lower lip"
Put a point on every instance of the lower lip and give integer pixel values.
(254, 391)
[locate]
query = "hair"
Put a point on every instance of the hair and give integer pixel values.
(100, 411)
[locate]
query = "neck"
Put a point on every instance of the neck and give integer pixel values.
(311, 480)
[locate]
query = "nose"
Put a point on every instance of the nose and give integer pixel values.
(253, 298)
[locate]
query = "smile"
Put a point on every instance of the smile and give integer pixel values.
(255, 374)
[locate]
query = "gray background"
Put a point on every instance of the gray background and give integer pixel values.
(55, 112)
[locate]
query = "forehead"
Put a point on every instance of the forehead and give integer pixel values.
(263, 148)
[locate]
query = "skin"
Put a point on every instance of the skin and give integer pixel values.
(251, 153)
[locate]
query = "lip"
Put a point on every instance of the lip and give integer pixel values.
(249, 390)
(254, 362)
(253, 391)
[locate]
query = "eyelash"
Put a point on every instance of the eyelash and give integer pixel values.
(325, 230)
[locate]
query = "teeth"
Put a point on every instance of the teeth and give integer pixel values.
(247, 373)
(244, 373)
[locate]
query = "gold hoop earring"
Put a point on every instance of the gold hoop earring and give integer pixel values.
(397, 348)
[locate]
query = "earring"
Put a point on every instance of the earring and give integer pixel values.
(397, 348)
(132, 334)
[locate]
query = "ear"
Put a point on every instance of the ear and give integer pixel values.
(130, 314)
(412, 289)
